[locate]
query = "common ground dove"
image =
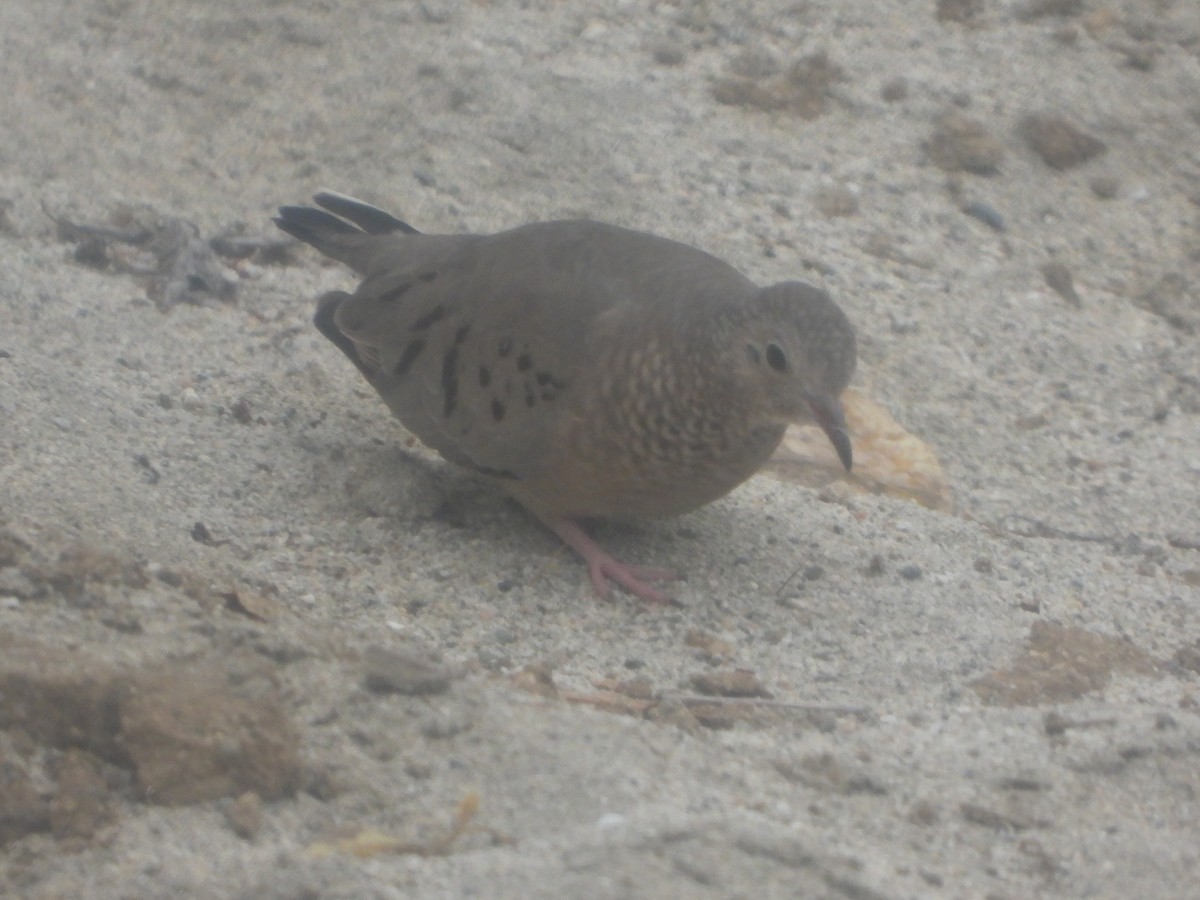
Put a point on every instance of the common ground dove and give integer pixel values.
(593, 371)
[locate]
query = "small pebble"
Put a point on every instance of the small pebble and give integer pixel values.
(1058, 277)
(668, 54)
(245, 814)
(190, 400)
(1104, 186)
(1060, 143)
(611, 822)
(895, 90)
(408, 670)
(962, 143)
(985, 214)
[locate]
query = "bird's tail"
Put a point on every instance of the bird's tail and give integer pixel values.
(347, 232)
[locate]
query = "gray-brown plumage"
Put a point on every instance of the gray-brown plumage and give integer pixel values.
(593, 371)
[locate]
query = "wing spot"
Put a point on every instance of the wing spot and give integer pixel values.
(524, 362)
(409, 356)
(449, 381)
(495, 473)
(546, 379)
(423, 323)
(461, 334)
(776, 358)
(395, 293)
(498, 411)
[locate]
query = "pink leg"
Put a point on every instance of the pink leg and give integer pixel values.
(602, 567)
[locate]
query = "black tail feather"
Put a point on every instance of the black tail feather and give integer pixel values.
(369, 218)
(310, 225)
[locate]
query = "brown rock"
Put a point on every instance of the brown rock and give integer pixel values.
(712, 648)
(536, 678)
(193, 738)
(668, 53)
(835, 201)
(754, 63)
(60, 697)
(895, 90)
(81, 567)
(1188, 657)
(888, 459)
(735, 683)
(1173, 298)
(23, 809)
(1059, 143)
(744, 92)
(961, 143)
(1098, 21)
(1105, 186)
(1141, 56)
(245, 815)
(1058, 277)
(405, 670)
(961, 11)
(809, 80)
(1061, 663)
(82, 803)
(802, 90)
(1038, 9)
(13, 547)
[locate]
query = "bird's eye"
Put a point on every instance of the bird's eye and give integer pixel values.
(776, 358)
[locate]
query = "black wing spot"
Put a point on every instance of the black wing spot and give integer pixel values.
(524, 362)
(395, 293)
(498, 411)
(495, 473)
(449, 381)
(461, 334)
(485, 376)
(776, 358)
(545, 378)
(435, 314)
(505, 348)
(409, 356)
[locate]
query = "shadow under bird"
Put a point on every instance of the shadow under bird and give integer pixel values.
(591, 370)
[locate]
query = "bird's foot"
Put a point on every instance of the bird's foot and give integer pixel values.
(602, 567)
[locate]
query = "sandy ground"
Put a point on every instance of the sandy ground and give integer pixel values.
(254, 643)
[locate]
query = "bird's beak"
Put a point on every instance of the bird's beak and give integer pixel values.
(832, 418)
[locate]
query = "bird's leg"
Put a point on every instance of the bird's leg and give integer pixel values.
(602, 566)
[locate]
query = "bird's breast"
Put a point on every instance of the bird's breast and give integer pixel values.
(652, 438)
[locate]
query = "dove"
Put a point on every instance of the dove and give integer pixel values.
(592, 371)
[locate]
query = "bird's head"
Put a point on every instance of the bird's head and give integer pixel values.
(798, 349)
